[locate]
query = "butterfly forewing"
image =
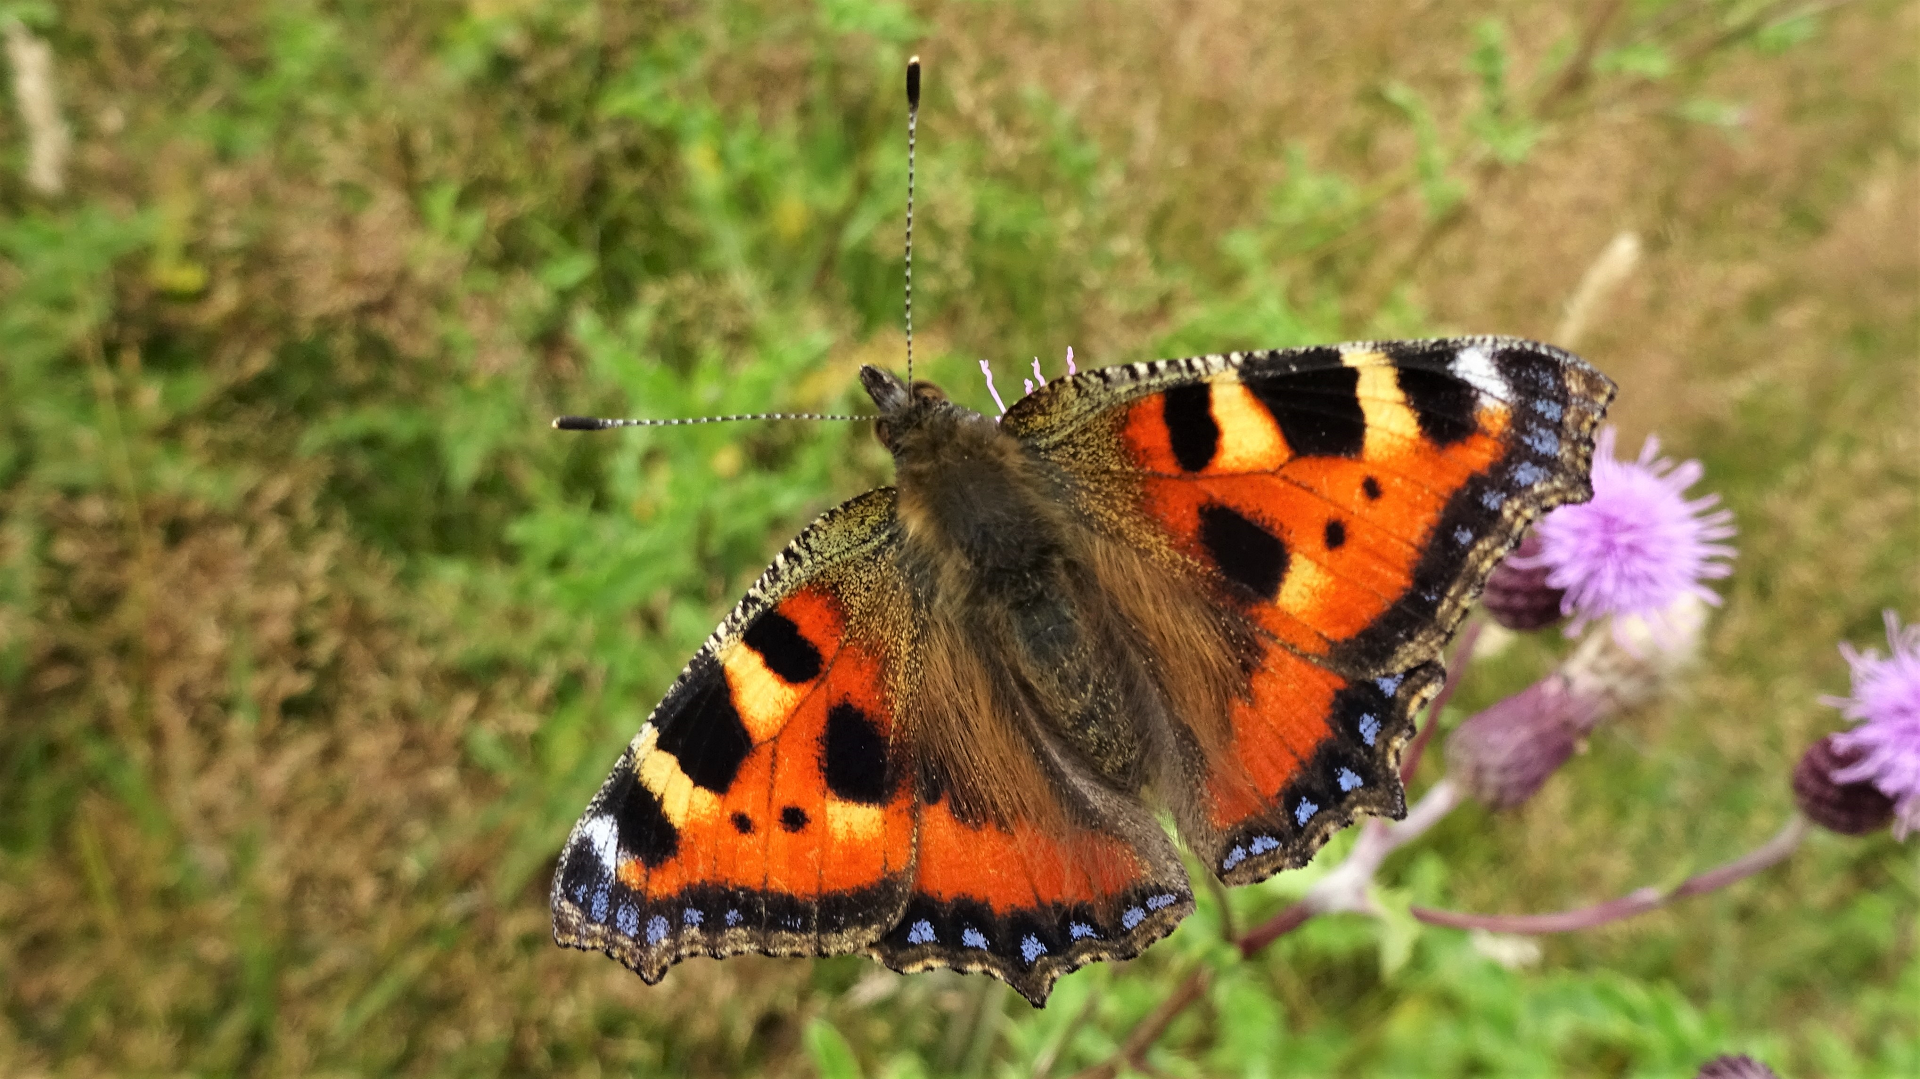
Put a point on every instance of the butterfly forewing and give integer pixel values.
(759, 808)
(1349, 501)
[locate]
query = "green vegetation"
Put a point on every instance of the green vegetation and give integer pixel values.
(314, 639)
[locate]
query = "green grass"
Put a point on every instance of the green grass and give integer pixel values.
(314, 639)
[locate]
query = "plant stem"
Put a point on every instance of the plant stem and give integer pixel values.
(1456, 668)
(1638, 901)
(1132, 1054)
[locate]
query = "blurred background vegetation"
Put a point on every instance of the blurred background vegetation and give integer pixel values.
(314, 639)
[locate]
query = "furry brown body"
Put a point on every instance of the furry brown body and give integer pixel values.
(1031, 613)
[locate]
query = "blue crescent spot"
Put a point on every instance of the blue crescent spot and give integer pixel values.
(691, 916)
(1541, 441)
(1159, 901)
(601, 897)
(1492, 499)
(1031, 948)
(733, 917)
(1134, 916)
(1529, 474)
(1463, 535)
(973, 938)
(627, 918)
(920, 932)
(1369, 728)
(1549, 409)
(1390, 684)
(1304, 811)
(1348, 779)
(656, 929)
(1234, 857)
(1080, 930)
(1263, 843)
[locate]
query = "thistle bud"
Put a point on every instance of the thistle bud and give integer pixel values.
(1518, 595)
(1504, 754)
(1741, 1066)
(1857, 808)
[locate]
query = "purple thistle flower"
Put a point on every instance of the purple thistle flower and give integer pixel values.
(1735, 1067)
(1640, 545)
(1886, 705)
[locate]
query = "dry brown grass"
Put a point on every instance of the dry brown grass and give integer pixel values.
(284, 855)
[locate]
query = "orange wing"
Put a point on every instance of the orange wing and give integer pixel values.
(1349, 502)
(759, 808)
(765, 806)
(1028, 904)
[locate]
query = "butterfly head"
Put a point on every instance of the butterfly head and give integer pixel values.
(913, 414)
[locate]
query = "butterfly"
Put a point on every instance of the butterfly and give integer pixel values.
(940, 728)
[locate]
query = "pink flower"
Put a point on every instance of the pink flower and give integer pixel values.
(1640, 545)
(1886, 705)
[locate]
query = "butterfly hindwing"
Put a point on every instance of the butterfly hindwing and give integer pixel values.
(1028, 903)
(759, 808)
(1349, 502)
(1311, 751)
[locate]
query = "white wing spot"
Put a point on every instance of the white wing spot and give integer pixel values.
(1473, 364)
(603, 838)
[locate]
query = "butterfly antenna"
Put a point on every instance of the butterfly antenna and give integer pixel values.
(913, 117)
(596, 423)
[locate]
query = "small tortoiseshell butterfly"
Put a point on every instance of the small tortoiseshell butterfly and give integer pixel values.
(937, 730)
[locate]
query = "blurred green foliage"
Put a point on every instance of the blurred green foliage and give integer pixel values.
(314, 639)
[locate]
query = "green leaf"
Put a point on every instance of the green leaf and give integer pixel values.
(1399, 930)
(1647, 59)
(829, 1051)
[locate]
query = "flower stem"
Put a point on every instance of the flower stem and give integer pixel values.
(1638, 901)
(1462, 657)
(1133, 1053)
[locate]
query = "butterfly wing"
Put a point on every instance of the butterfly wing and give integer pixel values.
(765, 805)
(1028, 901)
(1347, 501)
(759, 808)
